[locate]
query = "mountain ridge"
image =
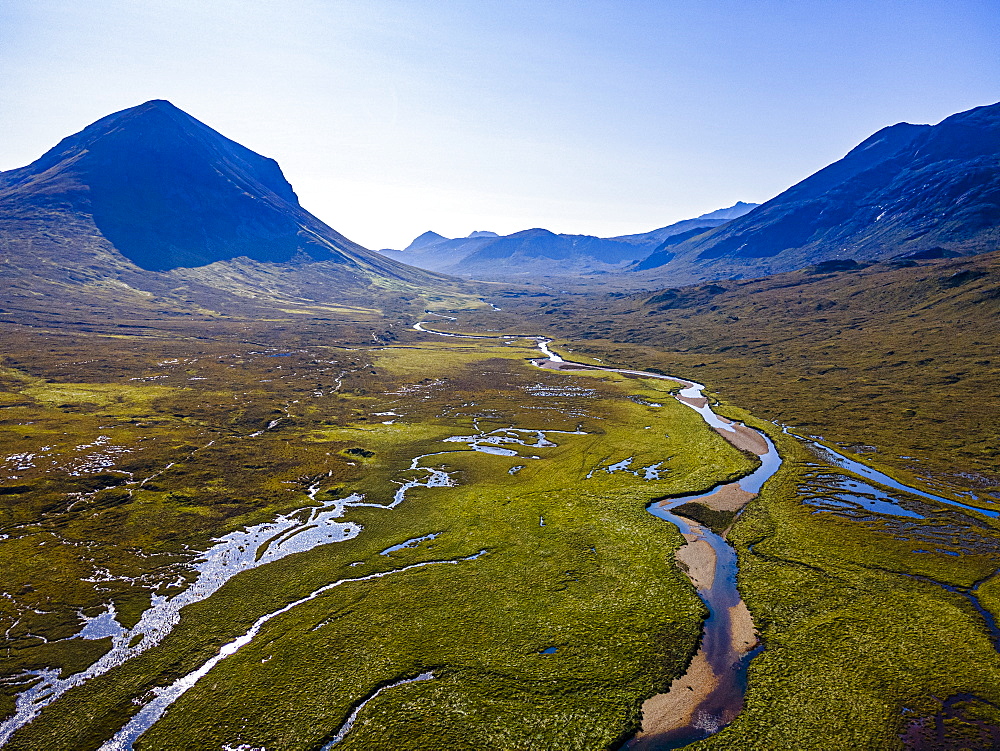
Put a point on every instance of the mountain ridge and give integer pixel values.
(533, 252)
(905, 188)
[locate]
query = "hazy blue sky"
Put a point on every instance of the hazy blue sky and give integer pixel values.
(393, 117)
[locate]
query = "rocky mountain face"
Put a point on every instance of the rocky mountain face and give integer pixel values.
(906, 189)
(151, 199)
(539, 252)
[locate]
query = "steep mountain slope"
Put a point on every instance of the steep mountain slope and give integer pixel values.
(151, 199)
(907, 188)
(705, 221)
(535, 253)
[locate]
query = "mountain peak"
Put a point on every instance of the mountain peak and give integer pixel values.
(167, 191)
(427, 238)
(906, 188)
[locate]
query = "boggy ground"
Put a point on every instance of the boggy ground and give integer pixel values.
(894, 361)
(869, 640)
(125, 455)
(863, 637)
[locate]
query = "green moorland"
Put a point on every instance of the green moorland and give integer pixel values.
(895, 361)
(124, 455)
(870, 641)
(863, 637)
(158, 437)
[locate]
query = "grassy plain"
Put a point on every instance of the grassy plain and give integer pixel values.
(869, 639)
(862, 637)
(130, 453)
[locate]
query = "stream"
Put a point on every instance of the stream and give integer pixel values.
(710, 694)
(242, 550)
(698, 704)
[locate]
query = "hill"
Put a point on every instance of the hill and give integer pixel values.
(907, 188)
(151, 204)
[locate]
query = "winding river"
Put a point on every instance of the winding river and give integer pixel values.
(701, 702)
(710, 694)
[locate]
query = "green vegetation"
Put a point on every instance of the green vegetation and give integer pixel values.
(203, 437)
(159, 439)
(717, 521)
(858, 637)
(895, 362)
(897, 366)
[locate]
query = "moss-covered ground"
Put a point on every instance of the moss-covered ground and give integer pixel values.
(870, 641)
(125, 455)
(126, 450)
(863, 637)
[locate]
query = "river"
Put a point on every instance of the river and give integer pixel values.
(710, 694)
(701, 702)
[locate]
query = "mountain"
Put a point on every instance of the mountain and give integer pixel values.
(706, 221)
(906, 189)
(428, 238)
(534, 253)
(151, 198)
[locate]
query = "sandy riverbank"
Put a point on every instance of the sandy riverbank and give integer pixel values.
(674, 710)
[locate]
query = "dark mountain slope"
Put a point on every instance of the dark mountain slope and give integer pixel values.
(663, 252)
(907, 188)
(135, 198)
(536, 243)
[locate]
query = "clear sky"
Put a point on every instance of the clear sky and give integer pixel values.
(392, 117)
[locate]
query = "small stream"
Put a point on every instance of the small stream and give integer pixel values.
(231, 554)
(727, 644)
(154, 709)
(716, 681)
(242, 550)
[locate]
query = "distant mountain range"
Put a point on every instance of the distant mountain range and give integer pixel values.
(151, 204)
(155, 200)
(932, 191)
(539, 252)
(906, 189)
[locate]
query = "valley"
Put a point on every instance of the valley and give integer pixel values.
(454, 473)
(578, 563)
(264, 488)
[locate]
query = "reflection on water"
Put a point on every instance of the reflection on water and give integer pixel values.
(874, 475)
(855, 499)
(231, 554)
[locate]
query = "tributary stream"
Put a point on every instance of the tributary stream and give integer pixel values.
(699, 703)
